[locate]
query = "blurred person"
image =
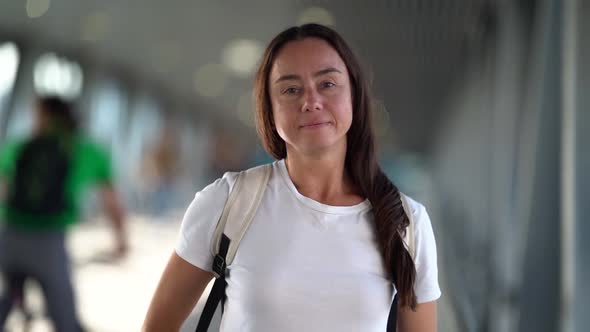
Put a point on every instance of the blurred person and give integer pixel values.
(160, 169)
(43, 179)
(325, 250)
(226, 153)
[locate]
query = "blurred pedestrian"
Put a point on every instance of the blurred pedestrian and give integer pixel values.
(43, 178)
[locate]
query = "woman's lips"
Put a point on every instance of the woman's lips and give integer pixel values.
(315, 125)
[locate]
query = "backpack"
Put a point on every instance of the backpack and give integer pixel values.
(39, 182)
(238, 213)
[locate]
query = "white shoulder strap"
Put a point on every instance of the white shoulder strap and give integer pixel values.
(409, 238)
(241, 206)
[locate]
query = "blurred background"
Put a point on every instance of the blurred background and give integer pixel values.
(481, 116)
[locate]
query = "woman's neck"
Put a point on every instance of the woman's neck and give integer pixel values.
(322, 178)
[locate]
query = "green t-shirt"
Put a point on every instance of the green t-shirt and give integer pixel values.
(90, 165)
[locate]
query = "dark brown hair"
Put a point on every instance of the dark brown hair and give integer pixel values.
(59, 112)
(361, 159)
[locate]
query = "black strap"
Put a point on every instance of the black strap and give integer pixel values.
(392, 320)
(218, 290)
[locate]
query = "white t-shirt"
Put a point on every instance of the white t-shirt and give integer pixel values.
(304, 265)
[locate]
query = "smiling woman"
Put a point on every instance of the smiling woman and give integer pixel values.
(311, 97)
(329, 245)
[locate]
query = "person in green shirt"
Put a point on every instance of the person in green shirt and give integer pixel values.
(42, 180)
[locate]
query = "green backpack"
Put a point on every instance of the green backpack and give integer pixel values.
(38, 186)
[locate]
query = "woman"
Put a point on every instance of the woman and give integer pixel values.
(326, 243)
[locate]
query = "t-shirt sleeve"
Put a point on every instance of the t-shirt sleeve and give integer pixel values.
(427, 287)
(104, 167)
(7, 159)
(199, 222)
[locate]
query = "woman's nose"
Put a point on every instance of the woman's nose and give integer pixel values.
(312, 101)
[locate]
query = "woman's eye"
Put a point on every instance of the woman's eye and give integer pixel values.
(290, 91)
(328, 84)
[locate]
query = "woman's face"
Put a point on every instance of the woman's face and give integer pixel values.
(311, 97)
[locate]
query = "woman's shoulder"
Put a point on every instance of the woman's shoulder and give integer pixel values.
(417, 209)
(200, 220)
(224, 184)
(413, 204)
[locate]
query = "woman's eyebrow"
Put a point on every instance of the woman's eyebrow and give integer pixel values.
(327, 71)
(290, 77)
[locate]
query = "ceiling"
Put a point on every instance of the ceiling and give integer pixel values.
(414, 49)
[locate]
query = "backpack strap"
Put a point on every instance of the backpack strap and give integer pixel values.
(409, 238)
(237, 215)
(410, 244)
(239, 211)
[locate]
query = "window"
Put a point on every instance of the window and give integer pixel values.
(58, 76)
(106, 114)
(9, 60)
